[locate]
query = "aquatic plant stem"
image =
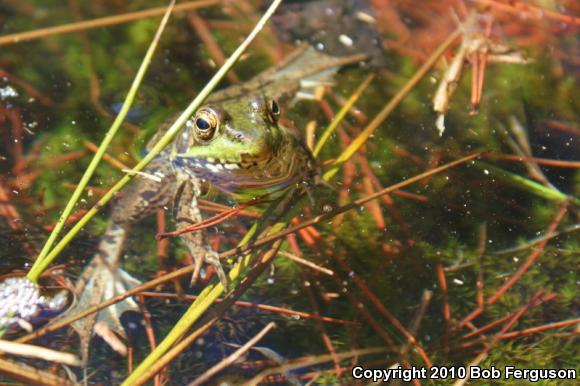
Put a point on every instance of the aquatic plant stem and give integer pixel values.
(341, 114)
(193, 311)
(39, 264)
(84, 25)
(359, 141)
(523, 183)
(229, 360)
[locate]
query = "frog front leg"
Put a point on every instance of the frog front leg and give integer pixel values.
(186, 212)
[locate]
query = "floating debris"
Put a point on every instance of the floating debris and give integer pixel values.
(7, 92)
(22, 305)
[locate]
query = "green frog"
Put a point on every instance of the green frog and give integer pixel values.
(235, 144)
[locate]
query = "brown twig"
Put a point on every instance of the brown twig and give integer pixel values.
(42, 33)
(532, 258)
(233, 357)
(523, 268)
(200, 27)
(262, 307)
(446, 306)
(479, 296)
(538, 329)
(484, 353)
(495, 323)
(540, 161)
(323, 332)
(528, 10)
(107, 157)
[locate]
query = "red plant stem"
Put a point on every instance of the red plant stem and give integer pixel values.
(527, 10)
(263, 307)
(444, 291)
(474, 81)
(523, 268)
(539, 161)
(435, 160)
(148, 330)
(361, 308)
(15, 137)
(71, 219)
(499, 321)
(412, 196)
(533, 256)
(479, 297)
(384, 311)
(209, 222)
(512, 321)
(389, 202)
(9, 211)
(538, 329)
(517, 334)
(164, 243)
(521, 312)
(481, 76)
(200, 27)
(373, 206)
(325, 337)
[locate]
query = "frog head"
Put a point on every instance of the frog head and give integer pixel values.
(237, 144)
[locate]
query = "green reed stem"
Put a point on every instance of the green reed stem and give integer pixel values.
(42, 261)
(341, 114)
(523, 183)
(359, 141)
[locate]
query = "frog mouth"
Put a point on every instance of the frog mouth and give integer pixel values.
(216, 165)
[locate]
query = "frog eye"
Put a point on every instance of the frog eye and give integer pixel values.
(274, 109)
(205, 123)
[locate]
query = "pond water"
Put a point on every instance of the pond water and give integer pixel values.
(478, 262)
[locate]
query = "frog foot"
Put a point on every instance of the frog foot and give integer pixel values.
(101, 282)
(212, 258)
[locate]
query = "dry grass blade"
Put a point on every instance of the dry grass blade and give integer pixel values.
(101, 22)
(307, 263)
(31, 351)
(233, 357)
(30, 375)
(311, 361)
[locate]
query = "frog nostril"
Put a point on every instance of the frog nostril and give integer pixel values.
(239, 136)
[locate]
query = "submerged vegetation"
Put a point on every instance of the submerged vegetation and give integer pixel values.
(470, 258)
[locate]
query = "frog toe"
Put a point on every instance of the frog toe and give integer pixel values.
(213, 258)
(103, 283)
